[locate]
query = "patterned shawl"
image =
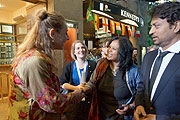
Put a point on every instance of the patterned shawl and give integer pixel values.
(94, 110)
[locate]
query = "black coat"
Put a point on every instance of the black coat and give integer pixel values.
(66, 76)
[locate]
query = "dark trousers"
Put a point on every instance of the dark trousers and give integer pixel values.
(79, 112)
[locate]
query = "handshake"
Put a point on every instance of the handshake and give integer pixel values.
(79, 91)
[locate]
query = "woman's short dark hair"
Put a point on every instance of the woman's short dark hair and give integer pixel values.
(167, 10)
(124, 52)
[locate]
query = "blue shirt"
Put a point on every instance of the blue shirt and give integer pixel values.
(75, 76)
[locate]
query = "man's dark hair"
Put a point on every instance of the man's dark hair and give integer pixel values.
(124, 52)
(135, 49)
(167, 10)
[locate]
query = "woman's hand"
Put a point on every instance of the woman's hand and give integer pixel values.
(81, 86)
(124, 110)
(68, 86)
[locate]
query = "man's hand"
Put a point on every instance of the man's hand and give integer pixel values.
(149, 117)
(139, 110)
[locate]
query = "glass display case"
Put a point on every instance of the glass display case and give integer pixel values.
(7, 40)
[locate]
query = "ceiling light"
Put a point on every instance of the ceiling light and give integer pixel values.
(1, 5)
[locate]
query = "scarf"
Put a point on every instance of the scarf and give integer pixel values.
(94, 110)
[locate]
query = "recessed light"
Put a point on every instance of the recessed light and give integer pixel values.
(1, 5)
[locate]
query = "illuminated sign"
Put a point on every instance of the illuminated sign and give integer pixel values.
(117, 12)
(129, 15)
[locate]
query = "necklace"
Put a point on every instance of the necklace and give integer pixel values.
(114, 71)
(81, 77)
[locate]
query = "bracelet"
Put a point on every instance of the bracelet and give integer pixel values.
(130, 107)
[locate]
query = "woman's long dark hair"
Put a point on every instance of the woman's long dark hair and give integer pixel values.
(124, 52)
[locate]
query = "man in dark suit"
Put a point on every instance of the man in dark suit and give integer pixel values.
(159, 95)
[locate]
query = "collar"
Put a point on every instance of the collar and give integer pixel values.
(173, 49)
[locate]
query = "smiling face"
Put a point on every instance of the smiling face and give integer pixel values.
(79, 51)
(60, 38)
(162, 33)
(113, 50)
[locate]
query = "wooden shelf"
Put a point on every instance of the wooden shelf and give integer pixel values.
(7, 41)
(7, 35)
(5, 65)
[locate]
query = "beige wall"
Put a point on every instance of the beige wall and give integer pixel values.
(6, 17)
(19, 12)
(71, 10)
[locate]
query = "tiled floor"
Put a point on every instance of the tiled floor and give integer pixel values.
(4, 109)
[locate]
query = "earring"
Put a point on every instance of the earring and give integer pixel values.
(52, 40)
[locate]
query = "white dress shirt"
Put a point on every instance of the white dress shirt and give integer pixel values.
(175, 48)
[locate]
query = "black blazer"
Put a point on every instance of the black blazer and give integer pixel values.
(166, 100)
(66, 76)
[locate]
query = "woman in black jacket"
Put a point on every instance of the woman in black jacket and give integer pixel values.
(76, 73)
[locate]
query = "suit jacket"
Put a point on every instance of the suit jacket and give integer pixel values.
(166, 100)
